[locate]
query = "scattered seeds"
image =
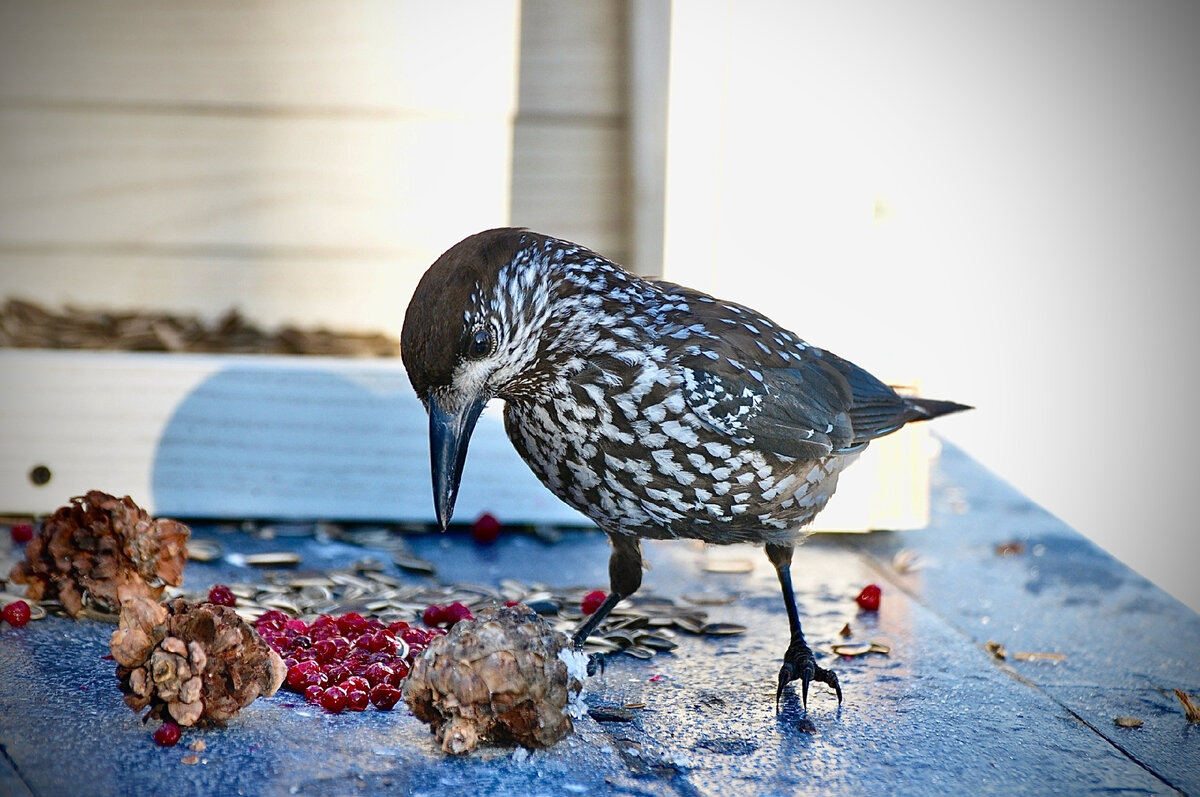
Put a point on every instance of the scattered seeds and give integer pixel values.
(203, 550)
(190, 759)
(272, 559)
(1128, 722)
(198, 746)
(1039, 656)
(996, 649)
(1190, 708)
(1014, 548)
(861, 649)
(728, 566)
(845, 632)
(708, 598)
(611, 714)
(906, 560)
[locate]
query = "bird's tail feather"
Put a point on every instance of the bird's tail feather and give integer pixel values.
(933, 408)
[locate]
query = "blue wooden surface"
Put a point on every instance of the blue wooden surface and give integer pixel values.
(938, 715)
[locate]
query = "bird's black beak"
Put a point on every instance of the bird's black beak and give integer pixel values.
(449, 432)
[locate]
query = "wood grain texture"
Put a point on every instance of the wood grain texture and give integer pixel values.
(79, 178)
(284, 56)
(570, 181)
(572, 59)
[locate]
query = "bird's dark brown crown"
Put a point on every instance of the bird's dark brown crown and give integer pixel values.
(434, 339)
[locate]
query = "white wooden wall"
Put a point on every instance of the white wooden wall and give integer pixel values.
(306, 160)
(303, 160)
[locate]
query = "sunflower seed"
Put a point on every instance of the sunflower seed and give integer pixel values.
(413, 565)
(272, 559)
(722, 629)
(203, 550)
(655, 642)
(728, 566)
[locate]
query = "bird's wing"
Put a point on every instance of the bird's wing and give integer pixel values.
(820, 404)
(748, 378)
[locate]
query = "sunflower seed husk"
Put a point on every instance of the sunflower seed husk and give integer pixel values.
(413, 565)
(655, 642)
(708, 599)
(203, 550)
(611, 714)
(850, 650)
(272, 559)
(728, 566)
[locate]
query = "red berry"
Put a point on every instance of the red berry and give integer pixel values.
(222, 595)
(299, 675)
(385, 697)
(485, 529)
(313, 693)
(273, 620)
(333, 699)
(378, 674)
(167, 735)
(433, 615)
(868, 599)
(399, 672)
(357, 700)
(591, 601)
(356, 683)
(22, 532)
(457, 611)
(352, 623)
(16, 613)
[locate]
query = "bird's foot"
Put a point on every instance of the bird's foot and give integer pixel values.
(799, 664)
(596, 662)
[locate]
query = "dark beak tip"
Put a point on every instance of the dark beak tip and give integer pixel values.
(449, 434)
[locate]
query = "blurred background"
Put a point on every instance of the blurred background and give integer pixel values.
(997, 201)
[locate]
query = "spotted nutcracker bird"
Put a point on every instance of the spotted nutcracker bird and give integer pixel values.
(654, 409)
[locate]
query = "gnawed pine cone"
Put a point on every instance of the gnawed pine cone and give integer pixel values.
(100, 549)
(502, 677)
(193, 663)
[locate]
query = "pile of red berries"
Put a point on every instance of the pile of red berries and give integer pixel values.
(345, 662)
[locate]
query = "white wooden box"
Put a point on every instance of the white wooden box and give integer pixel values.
(200, 436)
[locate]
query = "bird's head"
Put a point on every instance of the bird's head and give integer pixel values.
(472, 332)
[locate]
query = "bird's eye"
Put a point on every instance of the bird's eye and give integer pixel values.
(481, 344)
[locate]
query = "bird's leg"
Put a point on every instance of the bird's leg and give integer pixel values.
(624, 577)
(798, 661)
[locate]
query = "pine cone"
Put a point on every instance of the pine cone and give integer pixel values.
(497, 678)
(193, 663)
(99, 549)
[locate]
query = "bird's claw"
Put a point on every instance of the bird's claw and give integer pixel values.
(596, 663)
(799, 664)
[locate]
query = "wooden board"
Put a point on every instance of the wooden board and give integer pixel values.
(273, 437)
(274, 56)
(80, 178)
